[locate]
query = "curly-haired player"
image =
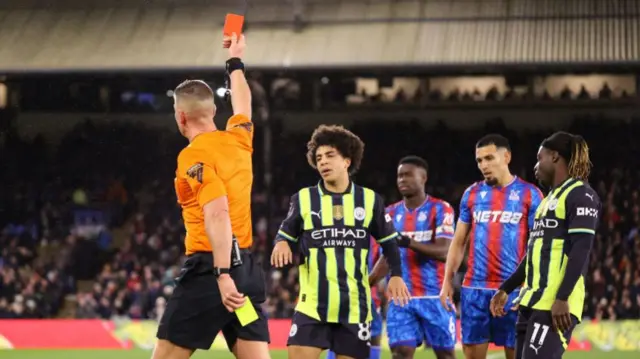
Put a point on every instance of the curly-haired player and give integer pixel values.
(330, 225)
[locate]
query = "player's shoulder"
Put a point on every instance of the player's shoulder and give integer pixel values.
(393, 207)
(474, 187)
(438, 202)
(526, 184)
(368, 192)
(529, 188)
(582, 192)
(240, 120)
(192, 155)
(306, 191)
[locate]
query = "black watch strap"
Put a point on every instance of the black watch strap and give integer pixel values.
(220, 271)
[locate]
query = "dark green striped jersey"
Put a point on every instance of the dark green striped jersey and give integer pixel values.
(572, 207)
(333, 232)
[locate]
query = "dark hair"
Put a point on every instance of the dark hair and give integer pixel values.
(416, 161)
(344, 141)
(196, 89)
(494, 139)
(574, 150)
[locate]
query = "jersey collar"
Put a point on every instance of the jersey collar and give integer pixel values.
(564, 183)
(426, 199)
(324, 191)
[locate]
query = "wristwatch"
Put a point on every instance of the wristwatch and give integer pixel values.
(220, 271)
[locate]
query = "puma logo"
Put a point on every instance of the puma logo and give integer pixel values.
(589, 195)
(534, 348)
(317, 214)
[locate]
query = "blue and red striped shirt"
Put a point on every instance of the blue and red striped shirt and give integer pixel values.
(500, 219)
(433, 219)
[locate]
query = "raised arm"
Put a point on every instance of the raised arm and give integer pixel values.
(240, 92)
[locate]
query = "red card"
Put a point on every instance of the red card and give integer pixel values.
(233, 24)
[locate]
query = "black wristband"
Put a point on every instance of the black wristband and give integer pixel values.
(233, 64)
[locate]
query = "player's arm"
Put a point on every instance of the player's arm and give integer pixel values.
(583, 208)
(240, 92)
(291, 226)
(460, 239)
(379, 271)
(516, 279)
(289, 232)
(444, 231)
(386, 236)
(211, 194)
(384, 232)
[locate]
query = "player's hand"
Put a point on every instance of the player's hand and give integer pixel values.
(498, 302)
(231, 298)
(397, 291)
(281, 255)
(403, 241)
(235, 44)
(560, 316)
(446, 296)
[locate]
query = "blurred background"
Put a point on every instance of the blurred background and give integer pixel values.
(89, 224)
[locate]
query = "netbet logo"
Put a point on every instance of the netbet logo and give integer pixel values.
(419, 236)
(507, 217)
(588, 212)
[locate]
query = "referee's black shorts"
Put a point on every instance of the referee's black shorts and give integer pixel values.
(195, 314)
(535, 337)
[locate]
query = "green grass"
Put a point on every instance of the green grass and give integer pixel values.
(276, 354)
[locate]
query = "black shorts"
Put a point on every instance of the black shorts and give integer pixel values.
(195, 314)
(343, 339)
(535, 337)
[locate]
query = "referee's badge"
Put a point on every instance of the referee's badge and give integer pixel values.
(338, 212)
(359, 213)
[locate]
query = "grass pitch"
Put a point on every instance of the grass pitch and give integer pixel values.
(275, 354)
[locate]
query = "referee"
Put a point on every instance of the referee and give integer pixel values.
(565, 224)
(331, 224)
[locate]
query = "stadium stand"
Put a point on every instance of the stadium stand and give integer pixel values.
(133, 273)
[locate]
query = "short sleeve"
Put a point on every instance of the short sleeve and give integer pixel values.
(536, 197)
(444, 221)
(200, 175)
(465, 208)
(291, 226)
(382, 228)
(241, 127)
(583, 210)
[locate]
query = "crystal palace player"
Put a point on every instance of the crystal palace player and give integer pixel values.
(495, 217)
(426, 224)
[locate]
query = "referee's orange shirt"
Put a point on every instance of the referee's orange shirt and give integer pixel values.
(217, 164)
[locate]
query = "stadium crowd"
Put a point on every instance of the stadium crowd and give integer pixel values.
(103, 204)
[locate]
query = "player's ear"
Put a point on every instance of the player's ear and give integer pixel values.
(183, 118)
(507, 157)
(347, 162)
